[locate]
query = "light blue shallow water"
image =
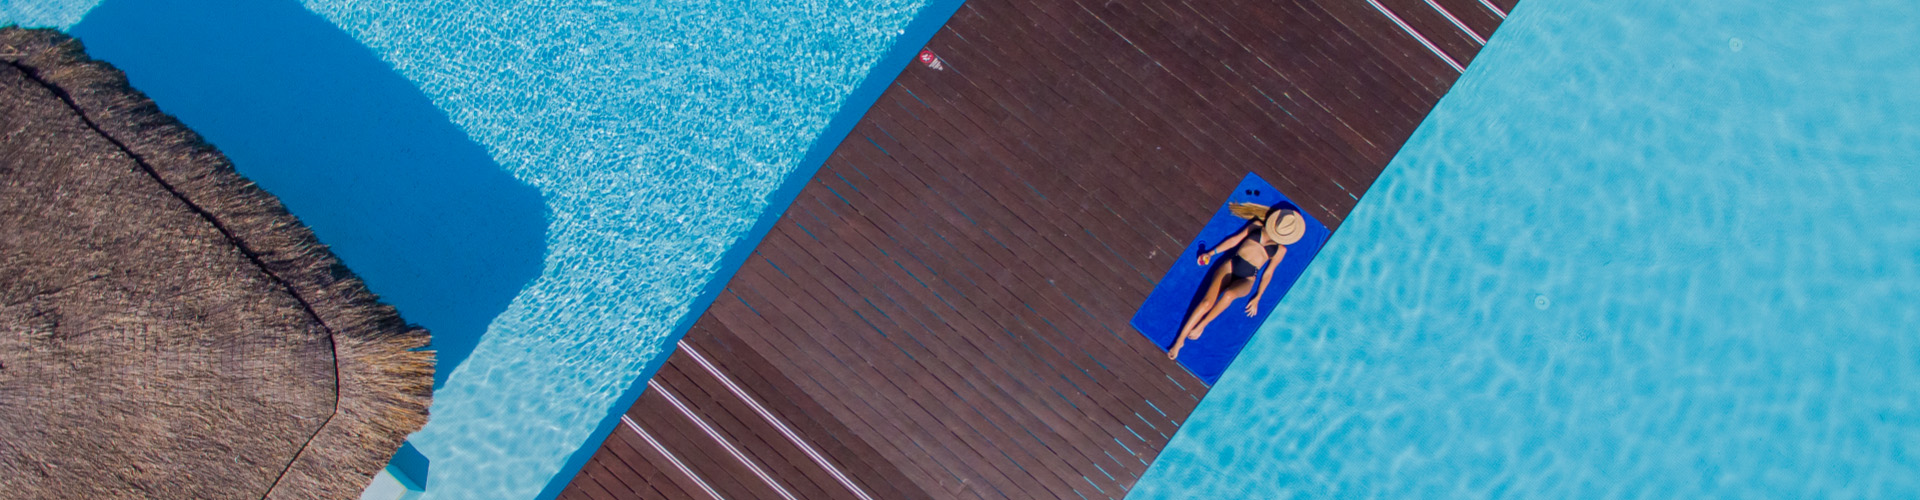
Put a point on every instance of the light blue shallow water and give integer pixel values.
(1642, 249)
(655, 132)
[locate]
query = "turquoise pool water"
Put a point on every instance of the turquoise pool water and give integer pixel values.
(651, 138)
(1642, 249)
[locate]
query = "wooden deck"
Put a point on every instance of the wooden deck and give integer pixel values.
(942, 313)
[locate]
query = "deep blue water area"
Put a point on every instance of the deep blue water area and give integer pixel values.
(406, 198)
(606, 165)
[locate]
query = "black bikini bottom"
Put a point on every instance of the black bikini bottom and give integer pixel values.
(1244, 269)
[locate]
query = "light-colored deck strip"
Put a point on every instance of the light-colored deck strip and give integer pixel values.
(1456, 22)
(724, 443)
(1495, 8)
(1416, 35)
(677, 464)
(793, 437)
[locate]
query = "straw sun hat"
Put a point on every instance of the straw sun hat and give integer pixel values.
(1285, 227)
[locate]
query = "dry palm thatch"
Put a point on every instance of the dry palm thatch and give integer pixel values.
(167, 329)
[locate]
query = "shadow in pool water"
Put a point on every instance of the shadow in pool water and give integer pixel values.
(406, 199)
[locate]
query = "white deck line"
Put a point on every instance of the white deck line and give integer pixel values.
(1496, 10)
(817, 457)
(735, 451)
(1456, 22)
(1416, 35)
(670, 457)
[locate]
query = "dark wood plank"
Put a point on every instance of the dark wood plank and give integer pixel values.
(756, 437)
(700, 453)
(1506, 5)
(1476, 15)
(943, 310)
(654, 466)
(1435, 27)
(788, 402)
(995, 392)
(613, 473)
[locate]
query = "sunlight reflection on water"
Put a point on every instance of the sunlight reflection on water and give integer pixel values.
(1644, 249)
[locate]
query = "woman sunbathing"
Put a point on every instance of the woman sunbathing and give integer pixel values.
(1256, 247)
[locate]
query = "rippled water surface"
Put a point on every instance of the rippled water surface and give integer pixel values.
(1642, 249)
(654, 131)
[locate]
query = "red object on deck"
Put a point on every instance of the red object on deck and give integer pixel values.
(932, 61)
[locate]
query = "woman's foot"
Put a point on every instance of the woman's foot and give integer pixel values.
(1177, 344)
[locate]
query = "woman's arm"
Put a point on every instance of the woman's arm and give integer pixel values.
(1230, 242)
(1266, 278)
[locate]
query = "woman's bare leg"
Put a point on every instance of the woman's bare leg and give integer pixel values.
(1239, 288)
(1214, 282)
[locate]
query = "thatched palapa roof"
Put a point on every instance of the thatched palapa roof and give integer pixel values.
(167, 329)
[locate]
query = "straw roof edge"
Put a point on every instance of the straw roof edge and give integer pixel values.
(385, 381)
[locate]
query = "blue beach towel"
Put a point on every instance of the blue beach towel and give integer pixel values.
(1166, 308)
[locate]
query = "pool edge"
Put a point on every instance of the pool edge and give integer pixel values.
(888, 68)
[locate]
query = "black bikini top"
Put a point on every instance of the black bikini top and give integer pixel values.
(1268, 245)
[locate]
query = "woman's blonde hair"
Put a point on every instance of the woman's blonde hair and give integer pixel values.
(1248, 211)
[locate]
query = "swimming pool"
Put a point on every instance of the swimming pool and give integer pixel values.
(1641, 249)
(655, 138)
